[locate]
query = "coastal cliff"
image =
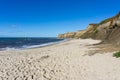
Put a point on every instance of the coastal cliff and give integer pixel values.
(107, 30)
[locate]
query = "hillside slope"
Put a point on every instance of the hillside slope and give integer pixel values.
(107, 30)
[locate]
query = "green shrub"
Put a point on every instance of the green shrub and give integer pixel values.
(117, 54)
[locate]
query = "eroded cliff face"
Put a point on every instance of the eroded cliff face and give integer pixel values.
(108, 31)
(67, 35)
(77, 34)
(103, 29)
(113, 31)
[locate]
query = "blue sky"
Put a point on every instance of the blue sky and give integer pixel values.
(48, 18)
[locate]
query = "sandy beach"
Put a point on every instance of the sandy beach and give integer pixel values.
(68, 60)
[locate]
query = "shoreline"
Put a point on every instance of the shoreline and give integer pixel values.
(68, 60)
(34, 46)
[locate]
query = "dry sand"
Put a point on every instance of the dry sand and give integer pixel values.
(65, 61)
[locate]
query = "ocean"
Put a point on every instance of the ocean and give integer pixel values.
(13, 43)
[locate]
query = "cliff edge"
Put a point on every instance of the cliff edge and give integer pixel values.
(107, 30)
